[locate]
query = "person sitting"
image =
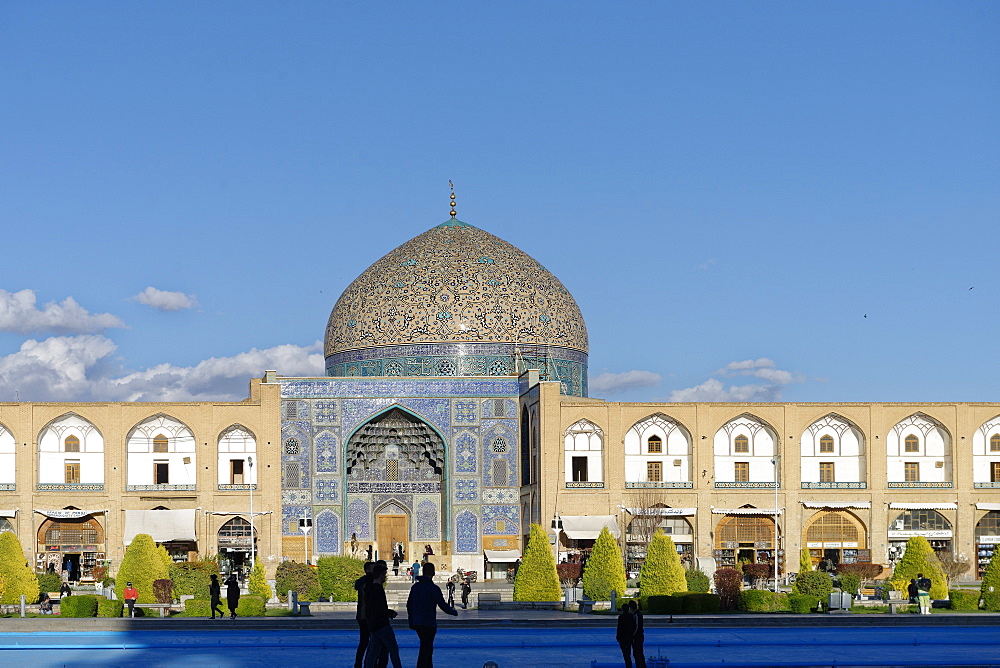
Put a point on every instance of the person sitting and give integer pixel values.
(65, 591)
(45, 604)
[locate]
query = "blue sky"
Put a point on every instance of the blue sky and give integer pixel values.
(727, 188)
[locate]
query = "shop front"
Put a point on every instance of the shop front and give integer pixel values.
(744, 535)
(919, 520)
(575, 535)
(499, 564)
(644, 524)
(173, 529)
(835, 536)
(234, 540)
(987, 535)
(70, 542)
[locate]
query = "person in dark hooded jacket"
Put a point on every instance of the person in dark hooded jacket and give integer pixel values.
(364, 637)
(421, 609)
(378, 615)
(232, 594)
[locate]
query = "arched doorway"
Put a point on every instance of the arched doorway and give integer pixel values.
(987, 537)
(395, 465)
(643, 526)
(71, 546)
(836, 535)
(234, 540)
(744, 537)
(925, 522)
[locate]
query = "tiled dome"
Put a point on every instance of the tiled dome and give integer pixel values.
(454, 292)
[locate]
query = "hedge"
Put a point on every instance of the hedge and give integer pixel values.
(963, 599)
(200, 607)
(109, 608)
(802, 603)
(78, 605)
(302, 578)
(49, 581)
(697, 581)
(697, 603)
(849, 582)
(141, 565)
(814, 583)
(681, 603)
(761, 600)
(337, 576)
(662, 604)
(661, 572)
(16, 577)
(193, 577)
(605, 570)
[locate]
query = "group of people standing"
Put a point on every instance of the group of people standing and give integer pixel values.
(919, 591)
(630, 635)
(377, 641)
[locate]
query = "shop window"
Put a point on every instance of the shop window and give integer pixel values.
(654, 444)
(994, 471)
(826, 472)
(580, 469)
(911, 472)
(236, 471)
(741, 444)
(911, 444)
(71, 444)
(159, 443)
(995, 443)
(741, 471)
(161, 473)
(826, 443)
(654, 471)
(72, 472)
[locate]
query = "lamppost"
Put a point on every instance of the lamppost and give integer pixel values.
(557, 527)
(774, 552)
(253, 553)
(305, 524)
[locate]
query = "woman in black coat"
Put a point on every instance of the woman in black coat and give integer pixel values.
(215, 591)
(232, 594)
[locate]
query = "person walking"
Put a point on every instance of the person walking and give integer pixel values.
(215, 593)
(364, 636)
(625, 632)
(421, 610)
(466, 590)
(415, 571)
(924, 594)
(639, 638)
(378, 615)
(131, 594)
(395, 564)
(232, 594)
(451, 591)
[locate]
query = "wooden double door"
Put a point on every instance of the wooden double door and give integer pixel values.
(389, 530)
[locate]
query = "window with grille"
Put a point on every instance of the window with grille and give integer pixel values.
(71, 444)
(741, 471)
(499, 445)
(741, 444)
(911, 472)
(826, 443)
(392, 469)
(291, 410)
(833, 527)
(995, 443)
(826, 472)
(72, 533)
(911, 444)
(72, 472)
(292, 446)
(654, 471)
(499, 408)
(654, 444)
(919, 520)
(745, 529)
(500, 476)
(291, 475)
(159, 443)
(989, 525)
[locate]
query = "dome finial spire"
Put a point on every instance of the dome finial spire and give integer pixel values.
(452, 186)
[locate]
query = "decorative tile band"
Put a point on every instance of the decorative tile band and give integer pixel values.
(834, 485)
(393, 487)
(916, 485)
(577, 484)
(7, 487)
(403, 387)
(746, 485)
(237, 488)
(659, 485)
(986, 485)
(69, 487)
(160, 488)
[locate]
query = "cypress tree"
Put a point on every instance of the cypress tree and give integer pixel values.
(990, 589)
(165, 557)
(805, 560)
(919, 558)
(536, 579)
(17, 577)
(605, 570)
(258, 582)
(141, 565)
(662, 573)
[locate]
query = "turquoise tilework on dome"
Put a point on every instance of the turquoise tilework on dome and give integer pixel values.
(303, 388)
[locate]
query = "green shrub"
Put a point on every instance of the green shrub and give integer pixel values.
(697, 581)
(293, 576)
(78, 605)
(802, 603)
(163, 590)
(337, 576)
(660, 604)
(258, 582)
(696, 603)
(849, 582)
(814, 583)
(761, 600)
(251, 606)
(48, 581)
(16, 578)
(728, 583)
(661, 572)
(919, 558)
(605, 570)
(108, 608)
(192, 578)
(990, 590)
(141, 565)
(536, 579)
(805, 561)
(963, 599)
(198, 607)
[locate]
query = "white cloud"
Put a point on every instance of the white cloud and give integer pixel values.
(80, 368)
(19, 313)
(762, 368)
(165, 300)
(615, 383)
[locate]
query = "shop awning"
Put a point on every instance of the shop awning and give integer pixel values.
(949, 505)
(588, 527)
(163, 525)
(988, 506)
(747, 511)
(837, 504)
(662, 512)
(8, 513)
(61, 514)
(502, 556)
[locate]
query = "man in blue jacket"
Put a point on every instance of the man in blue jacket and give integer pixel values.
(421, 609)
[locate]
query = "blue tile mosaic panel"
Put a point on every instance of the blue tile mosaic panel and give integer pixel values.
(465, 490)
(359, 520)
(327, 528)
(325, 412)
(326, 491)
(499, 440)
(428, 524)
(501, 496)
(326, 447)
(466, 532)
(290, 519)
(503, 520)
(464, 452)
(464, 411)
(435, 412)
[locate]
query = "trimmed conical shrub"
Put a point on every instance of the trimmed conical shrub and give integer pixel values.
(919, 558)
(805, 560)
(16, 577)
(605, 570)
(141, 565)
(536, 579)
(990, 590)
(258, 582)
(662, 573)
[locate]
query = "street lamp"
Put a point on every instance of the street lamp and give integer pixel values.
(253, 553)
(774, 552)
(305, 524)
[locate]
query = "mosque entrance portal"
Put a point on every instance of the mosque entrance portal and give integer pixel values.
(390, 530)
